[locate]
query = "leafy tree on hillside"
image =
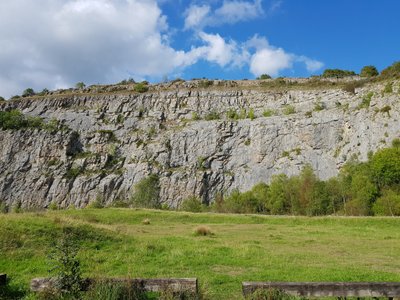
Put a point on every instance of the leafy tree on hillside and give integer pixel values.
(264, 76)
(385, 166)
(28, 93)
(277, 203)
(337, 73)
(388, 204)
(369, 71)
(392, 71)
(80, 85)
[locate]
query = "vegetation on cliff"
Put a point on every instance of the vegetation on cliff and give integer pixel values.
(361, 188)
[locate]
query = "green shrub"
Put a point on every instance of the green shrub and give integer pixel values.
(14, 119)
(126, 81)
(191, 204)
(386, 109)
(65, 266)
(112, 290)
(195, 116)
(268, 113)
(141, 87)
(337, 73)
(28, 93)
(44, 92)
(392, 71)
(366, 100)
(288, 110)
(147, 192)
(251, 115)
(212, 116)
(232, 114)
(201, 163)
(2, 99)
(99, 202)
(388, 88)
(80, 85)
(388, 204)
(17, 207)
(385, 166)
(264, 76)
(369, 71)
(396, 143)
(53, 206)
(349, 87)
(248, 202)
(205, 83)
(3, 207)
(73, 172)
(318, 106)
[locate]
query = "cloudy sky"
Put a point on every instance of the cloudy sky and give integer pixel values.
(57, 43)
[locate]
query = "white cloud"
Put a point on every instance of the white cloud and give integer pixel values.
(195, 15)
(230, 12)
(270, 61)
(218, 50)
(311, 64)
(57, 43)
(60, 42)
(236, 11)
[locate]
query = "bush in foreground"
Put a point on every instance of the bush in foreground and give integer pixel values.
(191, 204)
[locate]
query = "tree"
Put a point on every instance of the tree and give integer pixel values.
(388, 204)
(337, 73)
(80, 85)
(2, 99)
(147, 192)
(385, 166)
(369, 71)
(392, 71)
(264, 76)
(66, 266)
(277, 203)
(28, 93)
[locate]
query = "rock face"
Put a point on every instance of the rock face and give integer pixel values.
(117, 139)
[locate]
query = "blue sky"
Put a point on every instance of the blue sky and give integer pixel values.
(56, 43)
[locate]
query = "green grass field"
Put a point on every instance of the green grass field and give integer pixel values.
(242, 248)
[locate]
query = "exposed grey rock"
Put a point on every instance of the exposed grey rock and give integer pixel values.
(117, 139)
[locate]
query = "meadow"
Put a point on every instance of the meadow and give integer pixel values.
(116, 242)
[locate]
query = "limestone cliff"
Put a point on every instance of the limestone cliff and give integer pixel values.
(182, 132)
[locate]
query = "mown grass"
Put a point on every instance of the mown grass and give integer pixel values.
(242, 247)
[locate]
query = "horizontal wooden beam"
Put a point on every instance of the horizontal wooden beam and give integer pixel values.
(328, 289)
(3, 279)
(189, 285)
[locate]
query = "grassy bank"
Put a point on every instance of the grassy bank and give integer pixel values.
(115, 242)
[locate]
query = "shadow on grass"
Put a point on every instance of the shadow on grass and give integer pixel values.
(12, 291)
